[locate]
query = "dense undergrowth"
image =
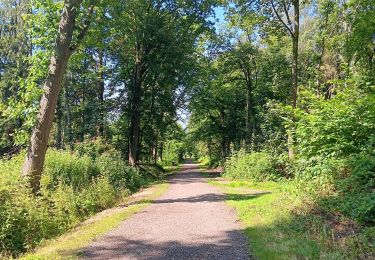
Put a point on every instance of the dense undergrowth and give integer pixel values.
(333, 172)
(73, 187)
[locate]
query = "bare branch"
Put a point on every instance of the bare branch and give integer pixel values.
(280, 19)
(286, 11)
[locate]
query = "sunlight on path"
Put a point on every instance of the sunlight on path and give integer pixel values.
(190, 221)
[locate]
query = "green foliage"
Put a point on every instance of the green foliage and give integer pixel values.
(353, 188)
(120, 174)
(73, 188)
(338, 127)
(69, 169)
(258, 166)
(93, 147)
(172, 153)
(335, 151)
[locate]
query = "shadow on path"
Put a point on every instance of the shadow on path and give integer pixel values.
(190, 221)
(221, 247)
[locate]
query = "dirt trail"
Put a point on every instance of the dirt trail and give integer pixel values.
(190, 221)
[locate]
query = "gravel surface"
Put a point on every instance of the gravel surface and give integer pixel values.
(190, 221)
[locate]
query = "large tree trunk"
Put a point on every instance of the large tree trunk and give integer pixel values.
(34, 161)
(135, 117)
(292, 25)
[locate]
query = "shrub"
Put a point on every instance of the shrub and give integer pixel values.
(343, 186)
(257, 166)
(68, 168)
(120, 174)
(339, 127)
(93, 148)
(335, 161)
(172, 153)
(72, 188)
(355, 197)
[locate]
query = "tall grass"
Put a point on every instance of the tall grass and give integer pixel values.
(73, 187)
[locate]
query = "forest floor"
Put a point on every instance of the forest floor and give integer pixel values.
(190, 221)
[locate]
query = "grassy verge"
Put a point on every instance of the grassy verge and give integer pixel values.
(172, 169)
(68, 245)
(279, 225)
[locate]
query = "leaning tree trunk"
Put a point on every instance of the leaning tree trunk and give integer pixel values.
(34, 161)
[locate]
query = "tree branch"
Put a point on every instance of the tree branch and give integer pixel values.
(83, 32)
(286, 11)
(280, 19)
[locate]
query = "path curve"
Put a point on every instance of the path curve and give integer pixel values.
(190, 221)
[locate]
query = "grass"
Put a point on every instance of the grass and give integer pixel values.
(276, 225)
(69, 245)
(173, 168)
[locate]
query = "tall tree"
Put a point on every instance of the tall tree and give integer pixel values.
(288, 14)
(64, 48)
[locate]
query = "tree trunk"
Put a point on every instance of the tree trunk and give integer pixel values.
(249, 118)
(294, 85)
(34, 161)
(135, 117)
(101, 92)
(155, 151)
(161, 150)
(68, 126)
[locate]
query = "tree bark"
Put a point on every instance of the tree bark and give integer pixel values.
(249, 117)
(155, 151)
(135, 117)
(101, 92)
(34, 161)
(295, 39)
(292, 26)
(294, 86)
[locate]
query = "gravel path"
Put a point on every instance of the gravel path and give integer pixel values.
(190, 221)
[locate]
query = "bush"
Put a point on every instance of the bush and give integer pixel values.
(336, 161)
(72, 188)
(172, 153)
(355, 197)
(339, 127)
(120, 174)
(68, 168)
(93, 148)
(343, 186)
(257, 166)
